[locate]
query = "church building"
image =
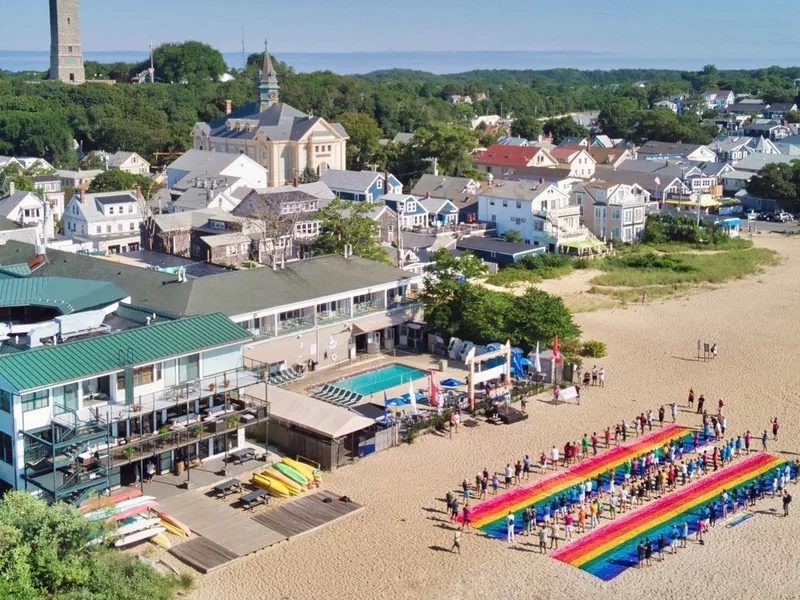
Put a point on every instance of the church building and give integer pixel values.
(281, 138)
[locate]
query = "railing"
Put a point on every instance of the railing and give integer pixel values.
(331, 316)
(363, 308)
(253, 409)
(403, 301)
(293, 325)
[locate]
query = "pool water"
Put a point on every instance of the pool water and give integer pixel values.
(380, 379)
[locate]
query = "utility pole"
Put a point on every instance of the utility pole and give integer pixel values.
(399, 236)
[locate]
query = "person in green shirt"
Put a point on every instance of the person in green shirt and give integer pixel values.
(585, 445)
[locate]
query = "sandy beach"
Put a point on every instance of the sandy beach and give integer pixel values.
(396, 547)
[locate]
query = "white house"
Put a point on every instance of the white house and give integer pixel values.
(668, 104)
(53, 191)
(580, 162)
(109, 221)
(28, 210)
(718, 99)
(75, 179)
(202, 164)
(614, 211)
(129, 162)
(540, 212)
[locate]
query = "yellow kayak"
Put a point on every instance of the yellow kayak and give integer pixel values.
(173, 529)
(311, 473)
(275, 487)
(161, 540)
(291, 485)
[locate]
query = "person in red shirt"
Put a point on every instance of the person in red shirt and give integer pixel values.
(608, 437)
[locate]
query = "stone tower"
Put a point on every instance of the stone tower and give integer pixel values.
(66, 54)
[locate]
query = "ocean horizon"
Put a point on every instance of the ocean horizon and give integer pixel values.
(351, 63)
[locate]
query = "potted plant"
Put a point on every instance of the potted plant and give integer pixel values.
(231, 421)
(128, 452)
(262, 372)
(195, 430)
(163, 430)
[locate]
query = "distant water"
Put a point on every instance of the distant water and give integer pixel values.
(433, 62)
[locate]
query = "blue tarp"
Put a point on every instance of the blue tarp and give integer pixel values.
(516, 366)
(451, 382)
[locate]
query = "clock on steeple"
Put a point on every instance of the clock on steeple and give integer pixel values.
(268, 86)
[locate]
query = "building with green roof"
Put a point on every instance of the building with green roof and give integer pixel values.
(91, 414)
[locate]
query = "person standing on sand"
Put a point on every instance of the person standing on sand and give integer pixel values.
(456, 542)
(543, 539)
(624, 431)
(466, 521)
(691, 397)
(674, 409)
(553, 537)
(747, 437)
(787, 500)
(775, 429)
(554, 457)
(508, 475)
(649, 420)
(601, 377)
(510, 527)
(661, 413)
(764, 438)
(594, 375)
(700, 402)
(495, 484)
(640, 554)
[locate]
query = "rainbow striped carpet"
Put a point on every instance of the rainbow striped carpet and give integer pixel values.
(489, 515)
(608, 551)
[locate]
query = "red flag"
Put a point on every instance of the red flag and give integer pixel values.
(434, 391)
(556, 356)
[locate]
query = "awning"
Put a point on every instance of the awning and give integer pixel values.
(703, 203)
(371, 324)
(307, 413)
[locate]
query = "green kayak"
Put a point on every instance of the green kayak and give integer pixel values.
(291, 473)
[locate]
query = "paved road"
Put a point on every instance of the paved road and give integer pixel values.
(767, 226)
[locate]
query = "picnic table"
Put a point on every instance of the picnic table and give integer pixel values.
(240, 456)
(226, 486)
(252, 499)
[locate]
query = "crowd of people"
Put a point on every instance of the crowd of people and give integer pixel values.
(639, 479)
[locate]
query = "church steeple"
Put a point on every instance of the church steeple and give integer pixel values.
(268, 86)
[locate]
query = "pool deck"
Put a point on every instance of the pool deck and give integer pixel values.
(424, 362)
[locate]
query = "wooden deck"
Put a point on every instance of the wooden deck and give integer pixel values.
(307, 514)
(225, 531)
(203, 554)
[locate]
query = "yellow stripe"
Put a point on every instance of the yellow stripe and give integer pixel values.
(669, 515)
(576, 479)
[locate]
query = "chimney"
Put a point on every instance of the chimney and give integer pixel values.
(295, 181)
(138, 192)
(386, 181)
(82, 197)
(12, 188)
(427, 194)
(541, 179)
(228, 107)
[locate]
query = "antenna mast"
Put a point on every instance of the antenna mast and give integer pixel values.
(244, 58)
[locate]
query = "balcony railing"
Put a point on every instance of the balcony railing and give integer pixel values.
(363, 308)
(239, 413)
(331, 316)
(399, 302)
(294, 325)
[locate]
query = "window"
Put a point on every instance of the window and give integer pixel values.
(505, 203)
(34, 401)
(638, 214)
(491, 202)
(119, 227)
(189, 368)
(615, 232)
(615, 213)
(130, 209)
(108, 228)
(6, 448)
(519, 204)
(69, 49)
(379, 184)
(111, 210)
(5, 401)
(99, 229)
(131, 226)
(627, 217)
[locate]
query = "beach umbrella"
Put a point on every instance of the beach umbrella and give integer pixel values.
(451, 382)
(413, 398)
(434, 391)
(538, 361)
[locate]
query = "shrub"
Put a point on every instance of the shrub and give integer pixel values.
(594, 349)
(411, 435)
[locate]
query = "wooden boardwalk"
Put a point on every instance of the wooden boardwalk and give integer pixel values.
(307, 513)
(227, 533)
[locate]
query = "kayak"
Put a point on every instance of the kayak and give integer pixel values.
(293, 487)
(137, 525)
(138, 537)
(110, 511)
(311, 473)
(290, 472)
(273, 486)
(134, 510)
(105, 501)
(161, 540)
(173, 525)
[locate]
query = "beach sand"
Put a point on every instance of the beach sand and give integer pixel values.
(394, 548)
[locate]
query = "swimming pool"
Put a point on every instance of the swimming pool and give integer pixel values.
(380, 379)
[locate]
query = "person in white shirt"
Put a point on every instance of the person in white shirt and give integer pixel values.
(510, 528)
(554, 457)
(674, 409)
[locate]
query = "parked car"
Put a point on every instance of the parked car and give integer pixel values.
(784, 217)
(764, 216)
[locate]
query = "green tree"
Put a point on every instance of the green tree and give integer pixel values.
(512, 235)
(187, 61)
(778, 182)
(309, 175)
(43, 554)
(449, 144)
(117, 181)
(526, 127)
(363, 144)
(564, 127)
(346, 223)
(538, 316)
(618, 118)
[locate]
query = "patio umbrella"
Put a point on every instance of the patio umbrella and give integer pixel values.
(538, 361)
(413, 397)
(451, 382)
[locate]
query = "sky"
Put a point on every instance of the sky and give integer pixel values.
(719, 31)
